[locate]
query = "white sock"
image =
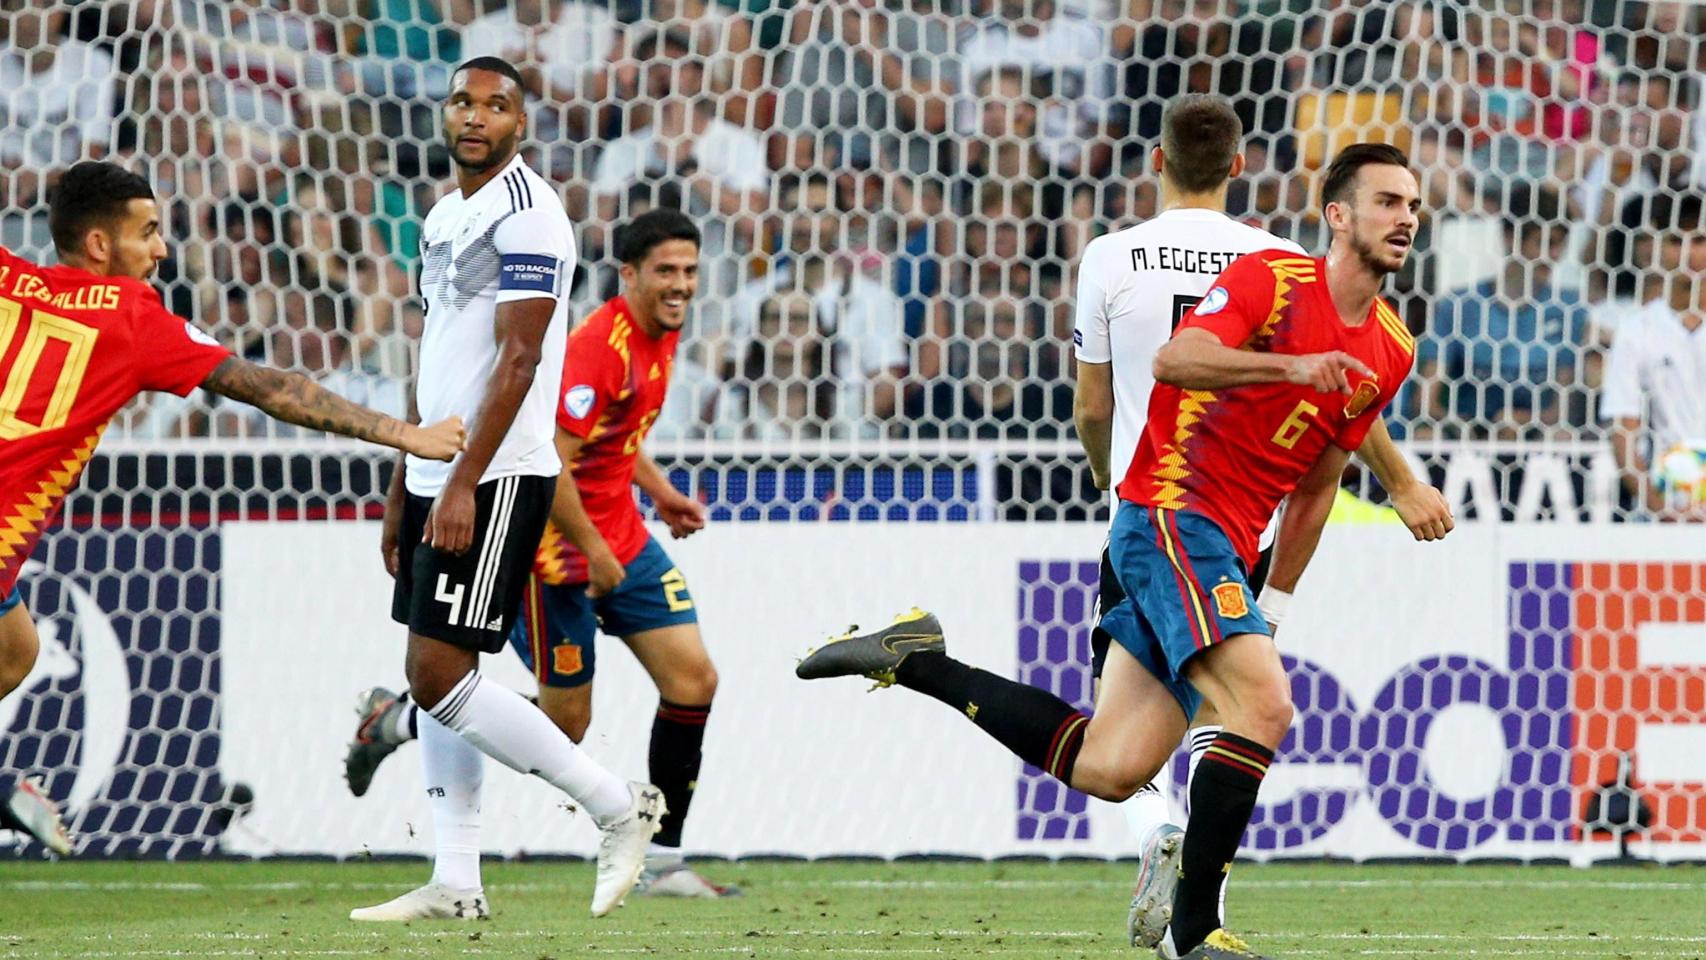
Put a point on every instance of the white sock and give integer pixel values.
(658, 855)
(517, 734)
(1146, 812)
(1200, 738)
(454, 771)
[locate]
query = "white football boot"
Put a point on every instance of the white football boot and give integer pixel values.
(30, 805)
(434, 901)
(622, 849)
(1157, 878)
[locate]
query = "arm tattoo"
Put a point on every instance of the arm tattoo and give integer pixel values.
(294, 398)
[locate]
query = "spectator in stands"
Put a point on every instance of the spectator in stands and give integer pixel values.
(1068, 55)
(563, 49)
(787, 396)
(1502, 355)
(56, 101)
(856, 79)
(335, 248)
(858, 314)
(1655, 385)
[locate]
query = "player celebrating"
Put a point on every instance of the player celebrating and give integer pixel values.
(597, 565)
(79, 341)
(1134, 287)
(495, 268)
(1275, 377)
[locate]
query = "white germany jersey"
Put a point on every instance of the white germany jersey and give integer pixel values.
(1657, 372)
(1134, 286)
(510, 241)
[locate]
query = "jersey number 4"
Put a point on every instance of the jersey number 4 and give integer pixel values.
(26, 380)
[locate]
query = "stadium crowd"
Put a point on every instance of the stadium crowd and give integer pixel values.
(895, 192)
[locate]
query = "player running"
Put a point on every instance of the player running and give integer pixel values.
(80, 340)
(597, 566)
(1273, 379)
(1134, 287)
(496, 261)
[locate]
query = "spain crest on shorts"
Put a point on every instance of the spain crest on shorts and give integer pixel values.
(1229, 601)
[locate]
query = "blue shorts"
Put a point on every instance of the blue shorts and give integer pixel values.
(12, 600)
(1186, 590)
(554, 634)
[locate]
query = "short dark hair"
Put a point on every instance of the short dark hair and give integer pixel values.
(1200, 133)
(1342, 172)
(94, 193)
(641, 235)
(493, 65)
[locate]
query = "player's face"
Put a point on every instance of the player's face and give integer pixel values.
(666, 281)
(1381, 217)
(138, 246)
(483, 119)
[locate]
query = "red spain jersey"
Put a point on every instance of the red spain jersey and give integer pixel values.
(615, 378)
(74, 348)
(1234, 454)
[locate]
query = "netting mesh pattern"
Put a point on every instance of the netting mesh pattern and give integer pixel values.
(895, 193)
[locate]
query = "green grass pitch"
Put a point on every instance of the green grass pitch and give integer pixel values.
(839, 909)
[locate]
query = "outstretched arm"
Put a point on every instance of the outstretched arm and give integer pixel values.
(1422, 508)
(294, 398)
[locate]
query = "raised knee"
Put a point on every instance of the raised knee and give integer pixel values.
(427, 686)
(1271, 713)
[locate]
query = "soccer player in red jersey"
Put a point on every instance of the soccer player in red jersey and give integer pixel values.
(597, 566)
(78, 341)
(1265, 390)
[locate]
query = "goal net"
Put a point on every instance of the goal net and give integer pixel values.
(874, 398)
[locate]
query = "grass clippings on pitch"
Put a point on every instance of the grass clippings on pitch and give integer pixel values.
(84, 910)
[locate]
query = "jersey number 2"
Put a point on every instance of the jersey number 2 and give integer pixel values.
(79, 342)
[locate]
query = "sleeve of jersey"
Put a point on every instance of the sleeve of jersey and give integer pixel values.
(1238, 303)
(591, 375)
(1090, 325)
(536, 253)
(173, 355)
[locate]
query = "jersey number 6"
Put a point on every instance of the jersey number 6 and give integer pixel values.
(1295, 426)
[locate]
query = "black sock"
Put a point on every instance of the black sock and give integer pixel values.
(1042, 729)
(1223, 795)
(678, 734)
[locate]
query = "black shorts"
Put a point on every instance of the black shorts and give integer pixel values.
(1111, 593)
(472, 600)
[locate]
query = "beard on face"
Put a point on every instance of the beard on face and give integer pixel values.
(1369, 255)
(497, 153)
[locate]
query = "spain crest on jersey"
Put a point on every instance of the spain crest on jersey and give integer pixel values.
(1366, 392)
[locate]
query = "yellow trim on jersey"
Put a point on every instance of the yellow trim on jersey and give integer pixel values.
(25, 517)
(1287, 273)
(1394, 326)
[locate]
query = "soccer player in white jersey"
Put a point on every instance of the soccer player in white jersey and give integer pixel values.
(1134, 286)
(497, 256)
